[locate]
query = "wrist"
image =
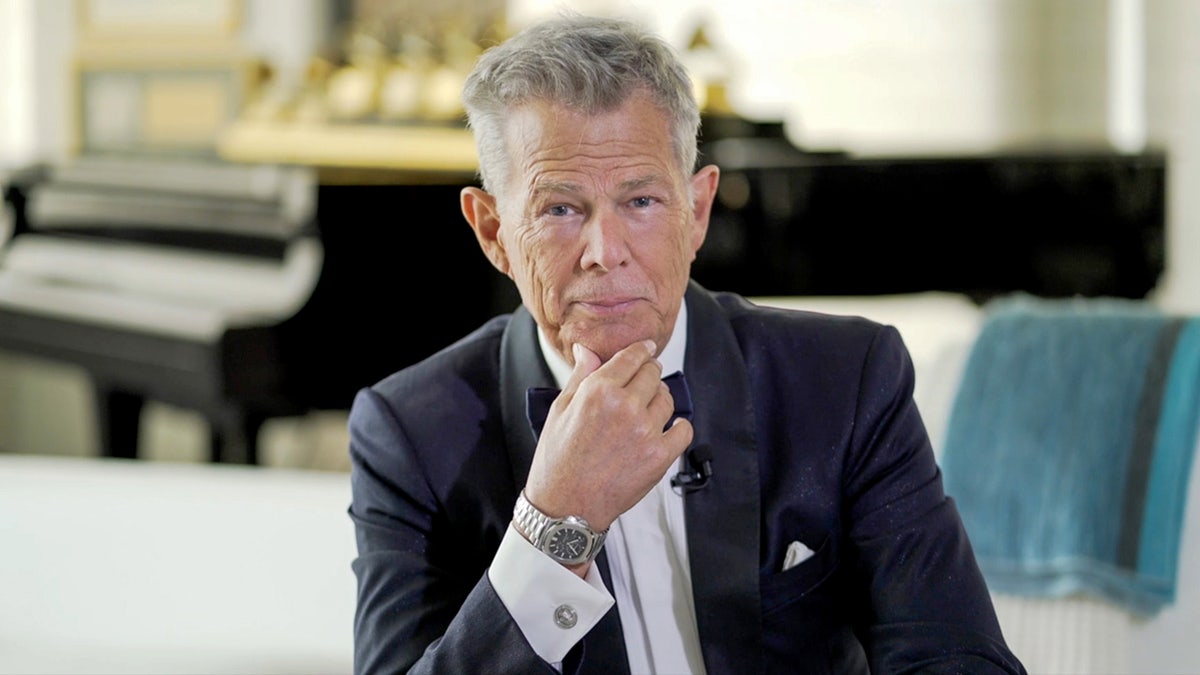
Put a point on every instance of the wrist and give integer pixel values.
(569, 541)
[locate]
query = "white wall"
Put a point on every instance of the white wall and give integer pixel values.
(866, 75)
(16, 75)
(286, 33)
(1173, 111)
(919, 76)
(35, 42)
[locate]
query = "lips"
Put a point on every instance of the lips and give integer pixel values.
(608, 305)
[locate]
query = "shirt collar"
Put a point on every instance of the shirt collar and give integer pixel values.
(671, 357)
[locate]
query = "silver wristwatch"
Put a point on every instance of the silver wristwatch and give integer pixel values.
(570, 540)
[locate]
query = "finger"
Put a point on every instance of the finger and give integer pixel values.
(647, 385)
(627, 363)
(586, 362)
(662, 409)
(663, 403)
(679, 436)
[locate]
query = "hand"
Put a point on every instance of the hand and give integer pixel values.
(603, 447)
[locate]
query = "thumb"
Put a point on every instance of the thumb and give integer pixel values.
(586, 362)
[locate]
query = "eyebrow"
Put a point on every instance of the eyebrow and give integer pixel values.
(567, 187)
(649, 180)
(555, 187)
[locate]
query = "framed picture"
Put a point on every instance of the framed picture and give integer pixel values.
(176, 106)
(134, 19)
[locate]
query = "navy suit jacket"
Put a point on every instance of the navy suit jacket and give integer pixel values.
(814, 437)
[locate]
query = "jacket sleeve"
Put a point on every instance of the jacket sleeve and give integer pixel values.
(420, 607)
(929, 609)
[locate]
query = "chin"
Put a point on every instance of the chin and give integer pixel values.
(606, 341)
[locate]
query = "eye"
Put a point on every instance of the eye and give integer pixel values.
(642, 202)
(558, 211)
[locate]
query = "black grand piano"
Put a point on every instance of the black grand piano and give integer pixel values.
(242, 292)
(248, 292)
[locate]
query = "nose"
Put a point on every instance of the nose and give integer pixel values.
(605, 241)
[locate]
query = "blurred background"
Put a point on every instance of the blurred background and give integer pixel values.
(221, 218)
(364, 93)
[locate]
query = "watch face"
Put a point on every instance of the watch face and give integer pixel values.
(568, 543)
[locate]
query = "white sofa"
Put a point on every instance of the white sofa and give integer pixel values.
(115, 566)
(126, 566)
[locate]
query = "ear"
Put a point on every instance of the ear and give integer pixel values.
(479, 208)
(704, 191)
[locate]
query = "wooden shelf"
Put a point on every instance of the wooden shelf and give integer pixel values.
(429, 151)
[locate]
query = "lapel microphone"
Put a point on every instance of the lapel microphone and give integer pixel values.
(699, 472)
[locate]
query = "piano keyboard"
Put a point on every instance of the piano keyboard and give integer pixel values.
(168, 291)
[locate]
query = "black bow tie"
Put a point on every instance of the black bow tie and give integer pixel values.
(538, 400)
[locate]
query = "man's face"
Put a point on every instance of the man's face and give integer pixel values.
(596, 225)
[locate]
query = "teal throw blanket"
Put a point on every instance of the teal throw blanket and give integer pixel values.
(1070, 445)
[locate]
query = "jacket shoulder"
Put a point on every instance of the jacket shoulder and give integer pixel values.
(473, 352)
(813, 328)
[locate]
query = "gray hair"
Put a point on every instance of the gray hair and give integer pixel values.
(590, 64)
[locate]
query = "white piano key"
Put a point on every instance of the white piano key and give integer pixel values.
(165, 291)
(187, 277)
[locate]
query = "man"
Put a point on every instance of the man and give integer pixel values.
(806, 529)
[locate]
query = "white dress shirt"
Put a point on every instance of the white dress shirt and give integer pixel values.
(647, 556)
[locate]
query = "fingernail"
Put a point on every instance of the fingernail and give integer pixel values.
(653, 347)
(575, 351)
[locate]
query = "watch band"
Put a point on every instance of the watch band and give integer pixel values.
(530, 521)
(542, 531)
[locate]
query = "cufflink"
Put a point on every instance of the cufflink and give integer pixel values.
(565, 617)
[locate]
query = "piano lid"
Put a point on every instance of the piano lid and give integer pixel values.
(251, 210)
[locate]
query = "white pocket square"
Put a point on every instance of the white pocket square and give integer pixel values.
(797, 553)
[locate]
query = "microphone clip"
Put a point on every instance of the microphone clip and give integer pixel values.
(699, 473)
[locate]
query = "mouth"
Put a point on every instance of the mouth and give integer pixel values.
(607, 306)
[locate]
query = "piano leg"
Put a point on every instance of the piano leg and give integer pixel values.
(234, 437)
(118, 414)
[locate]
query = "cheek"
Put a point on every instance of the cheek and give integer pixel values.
(534, 264)
(682, 247)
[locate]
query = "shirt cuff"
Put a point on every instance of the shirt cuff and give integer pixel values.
(552, 606)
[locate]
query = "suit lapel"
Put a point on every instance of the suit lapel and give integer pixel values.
(522, 367)
(722, 519)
